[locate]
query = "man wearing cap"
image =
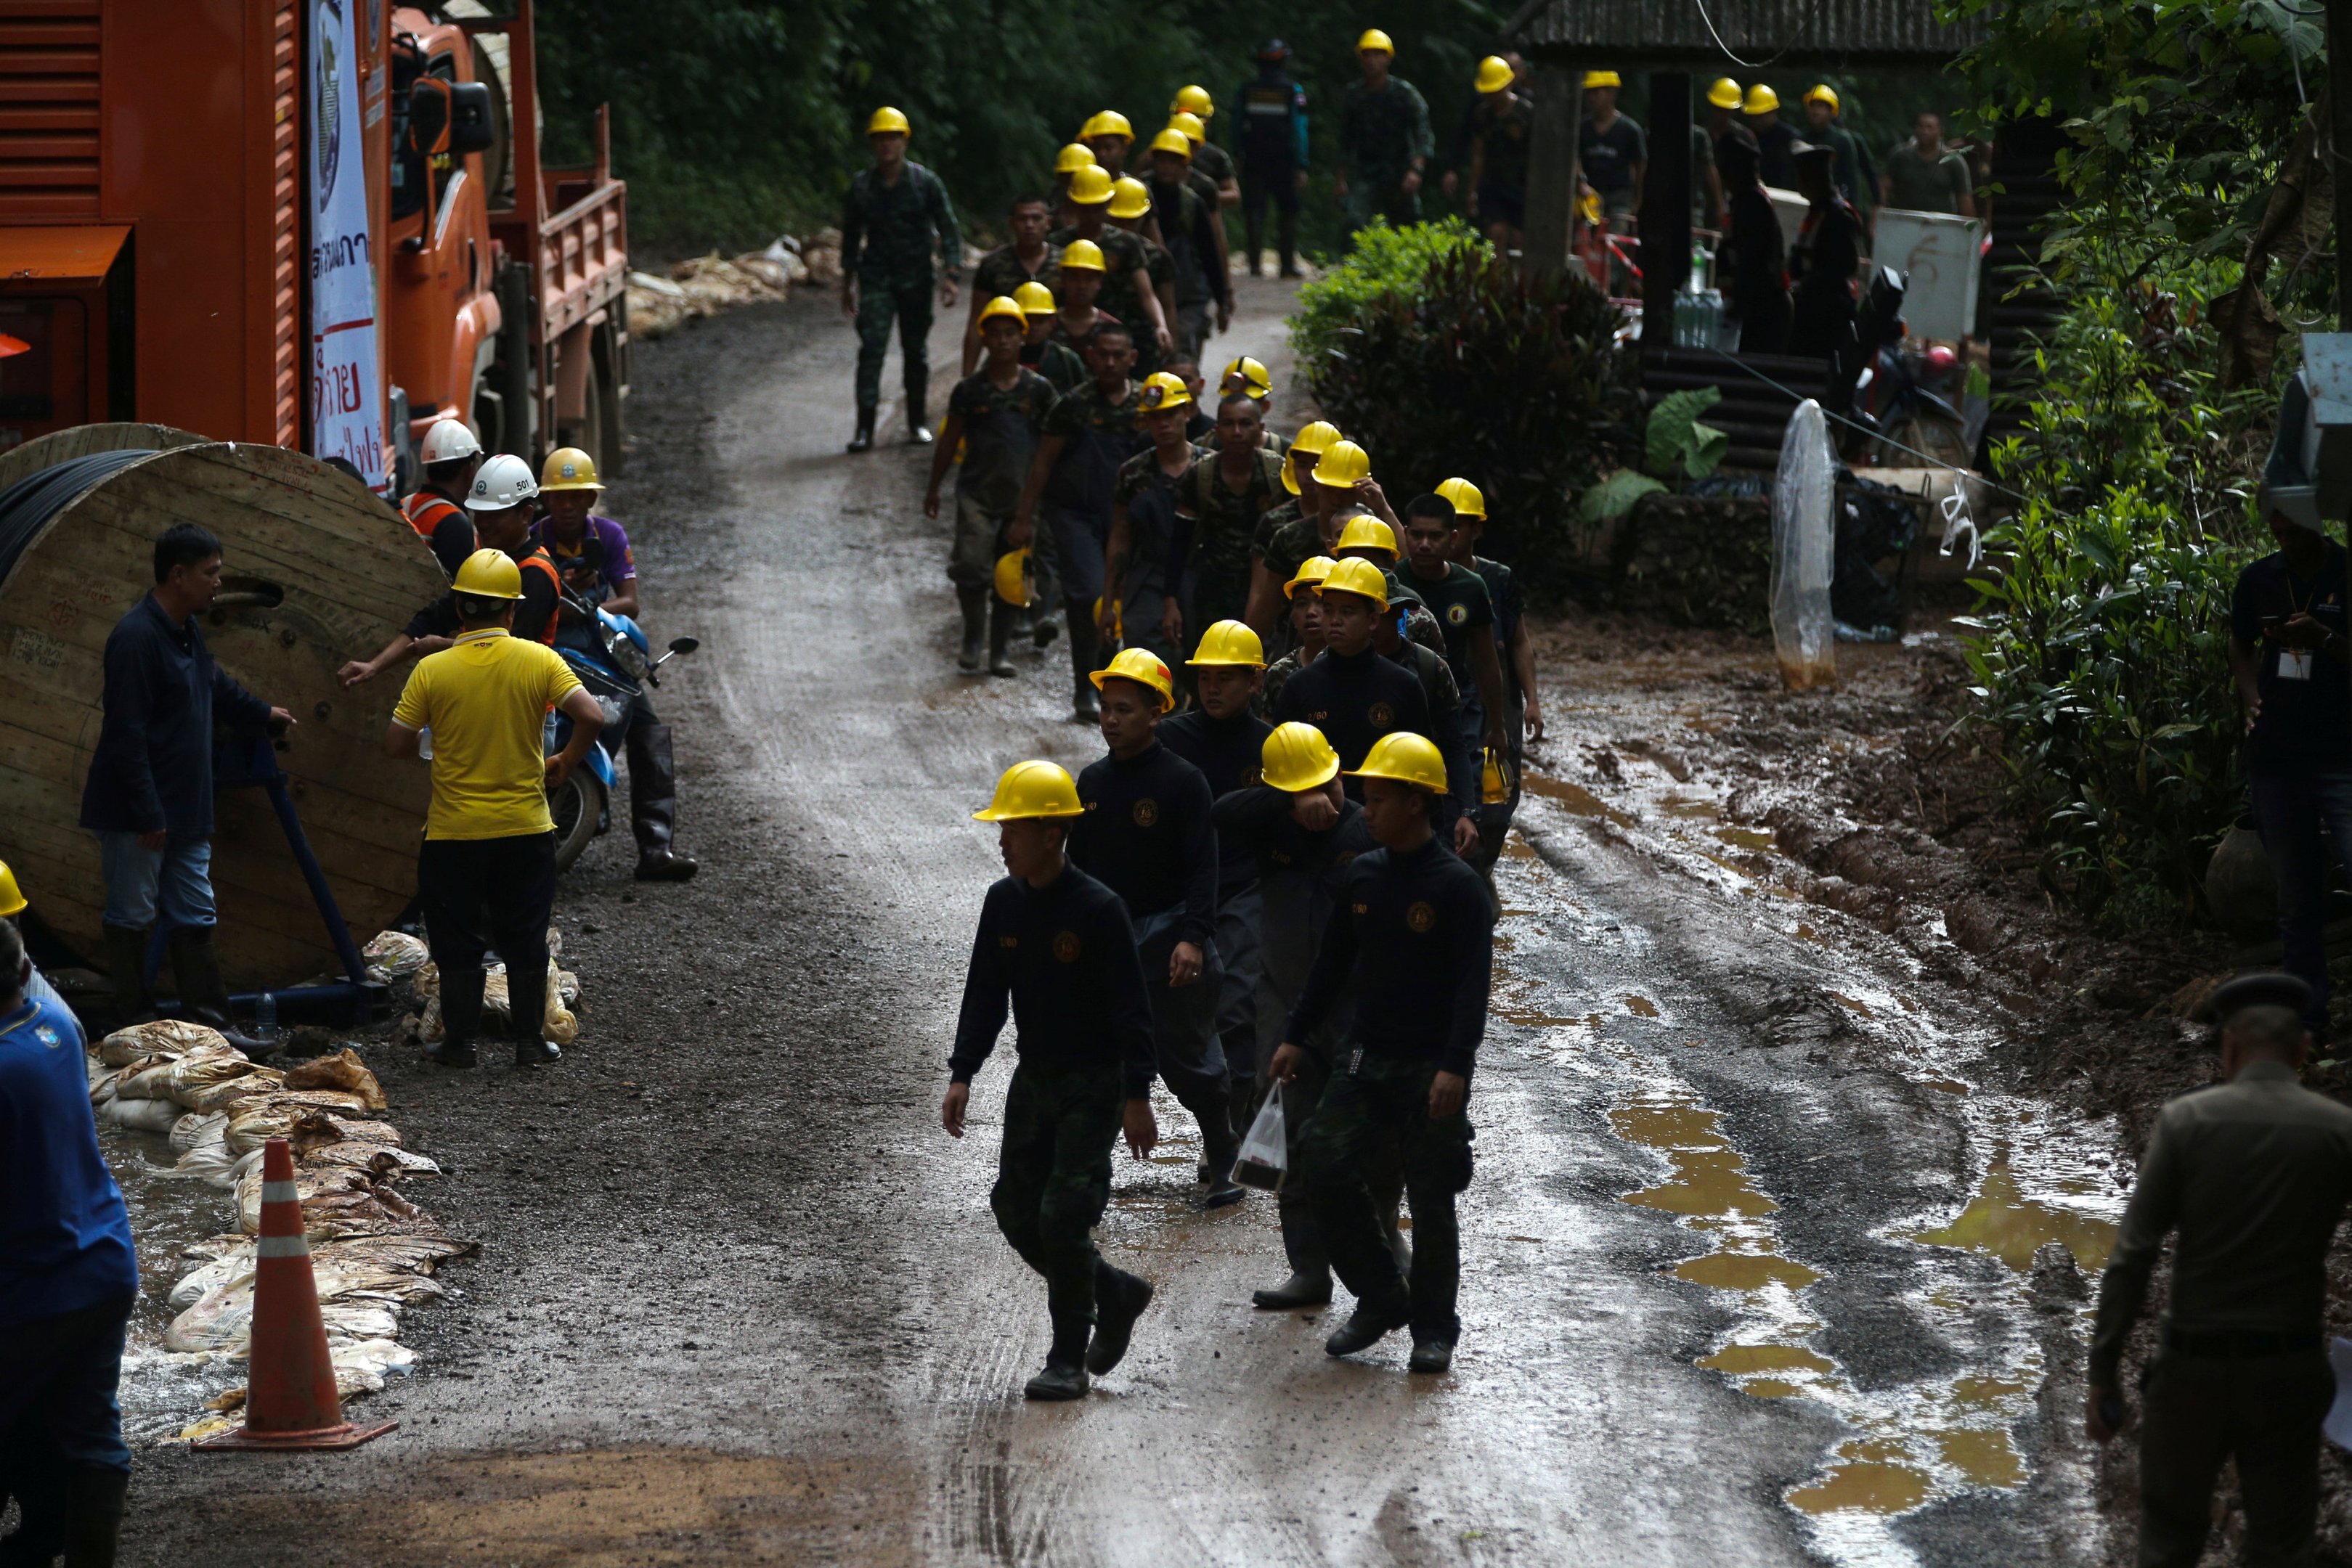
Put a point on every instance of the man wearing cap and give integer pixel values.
(1137, 584)
(488, 862)
(1076, 314)
(1923, 175)
(1857, 181)
(1304, 625)
(1456, 597)
(1131, 212)
(1027, 258)
(1501, 124)
(995, 418)
(436, 510)
(1045, 350)
(1612, 148)
(1291, 533)
(1775, 143)
(1108, 135)
(1196, 246)
(1056, 946)
(1146, 834)
(1364, 537)
(1218, 503)
(1350, 693)
(1127, 291)
(2252, 1173)
(897, 217)
(1410, 945)
(1385, 141)
(2287, 655)
(1273, 147)
(1522, 707)
(1207, 158)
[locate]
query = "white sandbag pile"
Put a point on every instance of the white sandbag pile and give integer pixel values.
(561, 1024)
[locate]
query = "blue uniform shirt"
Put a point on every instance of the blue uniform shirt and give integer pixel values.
(65, 1236)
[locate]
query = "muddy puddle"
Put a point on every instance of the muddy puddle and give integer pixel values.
(162, 1391)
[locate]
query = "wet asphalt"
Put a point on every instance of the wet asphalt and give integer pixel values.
(741, 1300)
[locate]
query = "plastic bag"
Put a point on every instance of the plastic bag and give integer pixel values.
(1804, 552)
(1265, 1153)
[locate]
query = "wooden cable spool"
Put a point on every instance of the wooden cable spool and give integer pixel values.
(317, 570)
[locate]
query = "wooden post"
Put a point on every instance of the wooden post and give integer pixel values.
(1552, 169)
(1666, 208)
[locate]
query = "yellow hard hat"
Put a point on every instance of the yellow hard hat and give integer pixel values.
(1494, 788)
(1117, 619)
(1031, 790)
(1172, 140)
(1131, 198)
(1357, 576)
(1404, 758)
(1366, 533)
(1311, 573)
(1107, 122)
(568, 468)
(1341, 464)
(1143, 667)
(1072, 158)
(490, 574)
(1466, 501)
(1724, 94)
(1602, 78)
(12, 899)
(1315, 438)
(1494, 74)
(1090, 186)
(1230, 643)
(1034, 298)
(1195, 100)
(1006, 306)
(1161, 389)
(1013, 577)
(1374, 38)
(1761, 100)
(1296, 757)
(886, 120)
(1254, 382)
(1823, 93)
(1082, 255)
(1194, 127)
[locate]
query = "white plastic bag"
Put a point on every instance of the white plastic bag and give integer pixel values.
(1804, 551)
(1265, 1153)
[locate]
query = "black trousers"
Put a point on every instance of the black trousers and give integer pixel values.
(483, 895)
(2264, 1411)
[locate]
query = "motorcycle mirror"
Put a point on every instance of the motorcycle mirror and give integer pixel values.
(684, 645)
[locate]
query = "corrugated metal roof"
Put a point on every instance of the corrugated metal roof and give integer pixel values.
(1656, 34)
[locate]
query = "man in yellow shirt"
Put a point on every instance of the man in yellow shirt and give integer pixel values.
(489, 858)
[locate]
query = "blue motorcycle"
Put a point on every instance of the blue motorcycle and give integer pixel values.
(617, 675)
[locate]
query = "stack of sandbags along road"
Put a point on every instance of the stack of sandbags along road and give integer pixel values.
(422, 977)
(709, 284)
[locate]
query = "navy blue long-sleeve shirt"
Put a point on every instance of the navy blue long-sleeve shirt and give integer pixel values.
(1229, 752)
(1413, 944)
(1064, 956)
(1146, 836)
(152, 770)
(1354, 699)
(1299, 873)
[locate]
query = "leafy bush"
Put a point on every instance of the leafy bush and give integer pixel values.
(1438, 358)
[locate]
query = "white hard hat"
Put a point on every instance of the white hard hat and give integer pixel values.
(504, 481)
(447, 440)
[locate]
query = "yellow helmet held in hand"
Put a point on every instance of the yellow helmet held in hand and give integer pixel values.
(1031, 790)
(488, 574)
(1034, 298)
(1761, 100)
(1082, 255)
(1230, 643)
(1724, 94)
(1366, 533)
(1013, 577)
(1494, 788)
(1494, 74)
(1172, 140)
(1247, 377)
(1296, 758)
(12, 898)
(1072, 158)
(1823, 93)
(1602, 78)
(1359, 577)
(1118, 621)
(1464, 497)
(1403, 758)
(568, 468)
(1161, 389)
(1341, 464)
(1090, 186)
(887, 120)
(1311, 573)
(1143, 667)
(1193, 100)
(1374, 38)
(1195, 129)
(1131, 198)
(1006, 308)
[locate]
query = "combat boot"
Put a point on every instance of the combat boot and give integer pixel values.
(126, 976)
(1058, 1381)
(1430, 1356)
(1364, 1329)
(999, 636)
(919, 408)
(653, 805)
(863, 440)
(1303, 1289)
(1116, 1316)
(1217, 1170)
(1085, 707)
(1286, 242)
(94, 1514)
(203, 998)
(974, 602)
(536, 1052)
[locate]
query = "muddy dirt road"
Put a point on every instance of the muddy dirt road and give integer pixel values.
(1749, 1256)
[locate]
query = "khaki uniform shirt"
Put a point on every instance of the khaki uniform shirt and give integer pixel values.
(2253, 1174)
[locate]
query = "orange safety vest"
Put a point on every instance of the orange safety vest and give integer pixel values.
(427, 511)
(539, 561)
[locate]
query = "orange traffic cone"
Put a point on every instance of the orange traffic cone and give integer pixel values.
(289, 1399)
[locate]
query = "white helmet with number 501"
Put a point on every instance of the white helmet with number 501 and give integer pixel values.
(504, 481)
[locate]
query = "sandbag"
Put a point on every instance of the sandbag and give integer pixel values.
(140, 1115)
(163, 1037)
(379, 1160)
(204, 1069)
(254, 1123)
(197, 1127)
(336, 1202)
(400, 1265)
(315, 1128)
(394, 954)
(227, 1095)
(342, 1070)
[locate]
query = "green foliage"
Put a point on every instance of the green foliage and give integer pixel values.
(1677, 447)
(1465, 366)
(2099, 645)
(1614, 496)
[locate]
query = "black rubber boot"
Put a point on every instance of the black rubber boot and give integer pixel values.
(461, 1017)
(1221, 1145)
(1119, 1300)
(1363, 1330)
(919, 407)
(1301, 1289)
(863, 440)
(974, 604)
(1286, 242)
(94, 1515)
(459, 1053)
(1059, 1381)
(1430, 1356)
(1085, 708)
(653, 805)
(126, 976)
(204, 997)
(537, 1053)
(1002, 618)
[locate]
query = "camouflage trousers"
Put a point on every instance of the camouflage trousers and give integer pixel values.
(878, 305)
(1052, 1181)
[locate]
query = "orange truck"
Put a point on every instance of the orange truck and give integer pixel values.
(164, 241)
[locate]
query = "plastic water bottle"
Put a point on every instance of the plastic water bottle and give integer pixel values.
(265, 1017)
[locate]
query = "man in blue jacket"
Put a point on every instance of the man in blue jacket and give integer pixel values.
(149, 797)
(68, 1279)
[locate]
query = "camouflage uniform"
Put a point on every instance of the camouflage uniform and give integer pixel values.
(1001, 272)
(1053, 1180)
(1381, 134)
(1056, 362)
(1001, 429)
(888, 235)
(1148, 496)
(1216, 571)
(1212, 161)
(1123, 254)
(1269, 694)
